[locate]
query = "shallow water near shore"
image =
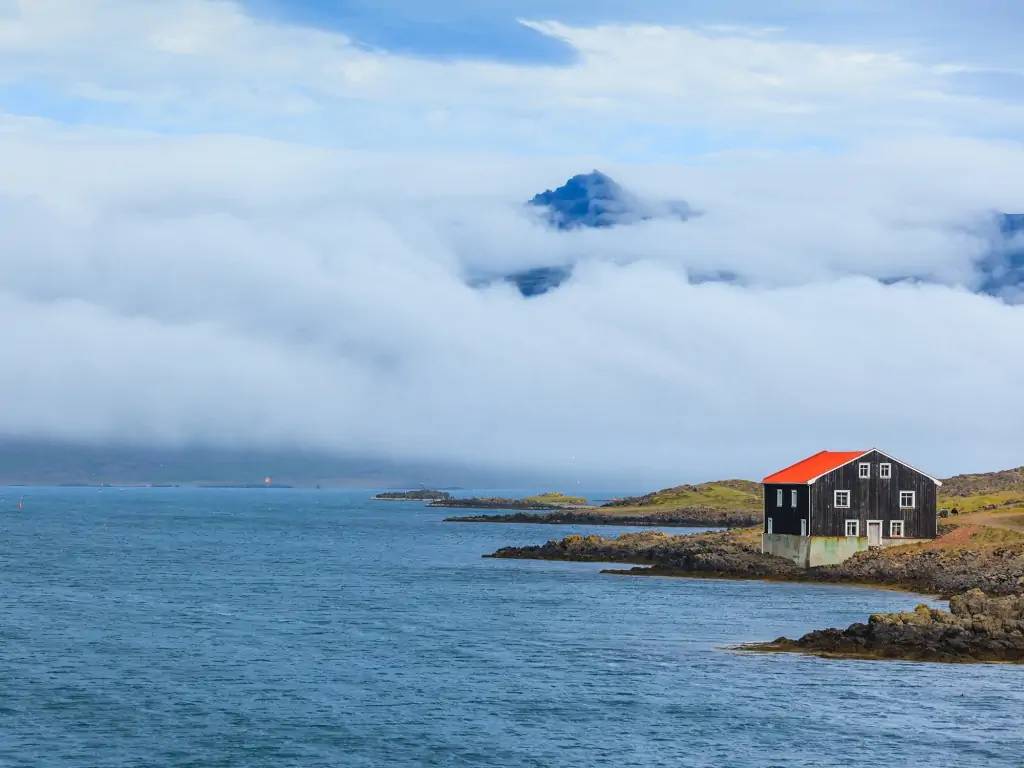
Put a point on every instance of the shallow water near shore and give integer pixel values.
(251, 627)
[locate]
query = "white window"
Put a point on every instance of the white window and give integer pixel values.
(778, 497)
(863, 470)
(853, 527)
(908, 499)
(803, 526)
(792, 499)
(841, 499)
(769, 525)
(895, 529)
(885, 471)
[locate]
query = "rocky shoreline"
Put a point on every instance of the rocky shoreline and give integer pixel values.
(977, 627)
(675, 518)
(997, 570)
(718, 554)
(960, 573)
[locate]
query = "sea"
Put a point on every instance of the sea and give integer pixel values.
(285, 627)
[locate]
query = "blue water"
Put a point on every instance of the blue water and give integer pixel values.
(185, 627)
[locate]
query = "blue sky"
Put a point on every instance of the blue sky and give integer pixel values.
(983, 32)
(964, 51)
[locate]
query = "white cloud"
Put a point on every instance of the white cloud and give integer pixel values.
(241, 290)
(195, 63)
(244, 292)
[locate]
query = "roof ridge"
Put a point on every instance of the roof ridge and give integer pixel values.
(819, 462)
(801, 461)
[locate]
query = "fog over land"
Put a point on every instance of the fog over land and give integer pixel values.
(170, 279)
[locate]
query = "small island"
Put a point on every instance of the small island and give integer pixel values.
(422, 494)
(541, 501)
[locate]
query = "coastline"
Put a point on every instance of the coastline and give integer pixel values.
(924, 569)
(983, 584)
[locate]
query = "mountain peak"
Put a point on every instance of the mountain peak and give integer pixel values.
(1002, 267)
(595, 199)
(586, 200)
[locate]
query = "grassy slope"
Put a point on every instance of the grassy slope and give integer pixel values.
(993, 499)
(721, 494)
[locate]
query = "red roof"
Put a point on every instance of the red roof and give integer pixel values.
(813, 466)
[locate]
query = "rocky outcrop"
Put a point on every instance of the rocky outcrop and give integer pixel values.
(977, 627)
(945, 571)
(997, 570)
(711, 554)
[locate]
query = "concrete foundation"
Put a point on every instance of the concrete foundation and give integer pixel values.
(812, 551)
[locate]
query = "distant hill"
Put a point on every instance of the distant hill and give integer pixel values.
(984, 483)
(50, 462)
(721, 495)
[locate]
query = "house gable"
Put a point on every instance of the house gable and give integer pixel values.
(874, 497)
(875, 456)
(818, 465)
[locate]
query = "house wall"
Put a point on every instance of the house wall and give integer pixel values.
(873, 498)
(813, 551)
(785, 519)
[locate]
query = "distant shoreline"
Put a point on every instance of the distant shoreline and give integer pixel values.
(668, 520)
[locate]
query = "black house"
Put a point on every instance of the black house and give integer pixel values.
(833, 504)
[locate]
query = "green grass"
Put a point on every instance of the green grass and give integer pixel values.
(556, 498)
(724, 495)
(995, 501)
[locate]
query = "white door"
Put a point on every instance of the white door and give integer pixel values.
(874, 533)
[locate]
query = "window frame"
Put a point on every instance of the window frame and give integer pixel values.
(835, 499)
(893, 524)
(793, 496)
(769, 526)
(804, 527)
(913, 500)
(856, 528)
(864, 470)
(778, 497)
(885, 471)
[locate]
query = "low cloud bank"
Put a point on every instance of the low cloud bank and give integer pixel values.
(246, 293)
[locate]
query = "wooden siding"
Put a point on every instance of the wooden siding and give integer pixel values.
(785, 519)
(874, 498)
